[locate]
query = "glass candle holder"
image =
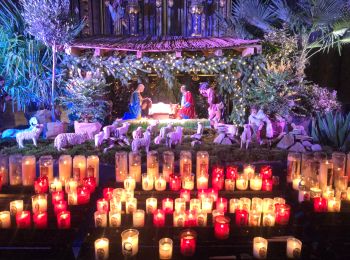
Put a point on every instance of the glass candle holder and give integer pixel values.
(315, 192)
(16, 206)
(249, 170)
(71, 185)
(202, 164)
(130, 205)
(135, 166)
(266, 172)
(296, 182)
(151, 205)
(159, 218)
(325, 174)
(340, 183)
(63, 220)
(147, 182)
(46, 166)
(255, 183)
(4, 169)
(138, 218)
(293, 249)
(65, 167)
(121, 166)
(39, 203)
(257, 204)
(5, 219)
(100, 219)
(175, 182)
(241, 217)
(254, 218)
(242, 182)
(165, 248)
(83, 195)
(191, 218)
(160, 183)
(282, 212)
(260, 248)
(267, 185)
(168, 164)
(188, 182)
(130, 242)
(202, 181)
(72, 198)
(93, 167)
(40, 220)
(23, 219)
(218, 181)
(15, 169)
(115, 204)
(222, 227)
(79, 168)
(268, 205)
(188, 241)
(217, 170)
(102, 205)
(41, 185)
(221, 204)
(108, 193)
(90, 183)
(234, 204)
(101, 249)
(28, 170)
(60, 206)
(55, 185)
(57, 196)
(152, 164)
(129, 183)
(246, 203)
(212, 193)
(307, 164)
(269, 219)
(195, 204)
(180, 204)
(185, 163)
(168, 205)
(115, 218)
(185, 194)
(231, 172)
(229, 185)
(179, 218)
(334, 204)
(202, 218)
(339, 163)
(207, 205)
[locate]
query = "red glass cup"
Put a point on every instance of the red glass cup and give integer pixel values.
(222, 227)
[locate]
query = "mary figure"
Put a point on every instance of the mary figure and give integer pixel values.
(135, 108)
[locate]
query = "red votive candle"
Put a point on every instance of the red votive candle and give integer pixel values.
(63, 220)
(108, 193)
(83, 195)
(159, 218)
(102, 205)
(218, 182)
(282, 212)
(168, 205)
(320, 204)
(217, 170)
(60, 206)
(266, 172)
(0, 182)
(241, 217)
(221, 204)
(186, 194)
(41, 185)
(23, 219)
(212, 193)
(90, 182)
(231, 172)
(266, 185)
(202, 193)
(175, 182)
(57, 196)
(222, 227)
(40, 220)
(188, 239)
(191, 218)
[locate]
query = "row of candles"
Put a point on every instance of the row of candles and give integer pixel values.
(188, 241)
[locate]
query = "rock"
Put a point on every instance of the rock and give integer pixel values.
(43, 116)
(297, 147)
(303, 138)
(219, 138)
(316, 148)
(306, 143)
(286, 142)
(54, 128)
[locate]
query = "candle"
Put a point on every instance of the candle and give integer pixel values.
(40, 220)
(222, 227)
(296, 182)
(119, 193)
(279, 200)
(266, 185)
(218, 181)
(293, 166)
(185, 163)
(147, 182)
(159, 218)
(4, 169)
(71, 185)
(241, 217)
(5, 219)
(100, 219)
(188, 182)
(129, 183)
(15, 169)
(320, 204)
(202, 181)
(282, 214)
(101, 249)
(212, 193)
(195, 204)
(269, 219)
(130, 242)
(57, 196)
(202, 164)
(221, 204)
(242, 182)
(102, 205)
(135, 166)
(16, 206)
(180, 204)
(130, 205)
(201, 194)
(231, 172)
(56, 185)
(246, 203)
(79, 168)
(65, 168)
(108, 193)
(179, 218)
(254, 218)
(235, 204)
(168, 164)
(207, 205)
(341, 183)
(188, 242)
(315, 192)
(293, 248)
(175, 182)
(168, 205)
(229, 185)
(73, 198)
(339, 162)
(46, 167)
(83, 195)
(165, 248)
(268, 205)
(90, 183)
(191, 218)
(249, 170)
(328, 192)
(151, 205)
(202, 218)
(260, 248)
(41, 185)
(257, 204)
(138, 218)
(256, 183)
(39, 203)
(28, 170)
(325, 174)
(93, 167)
(128, 194)
(115, 219)
(121, 166)
(266, 172)
(152, 164)
(334, 205)
(60, 206)
(160, 183)
(23, 219)
(63, 220)
(217, 170)
(115, 205)
(215, 213)
(185, 194)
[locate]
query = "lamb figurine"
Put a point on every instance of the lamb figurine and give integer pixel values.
(99, 138)
(246, 136)
(163, 133)
(123, 130)
(137, 133)
(175, 137)
(153, 127)
(198, 135)
(145, 141)
(29, 134)
(66, 139)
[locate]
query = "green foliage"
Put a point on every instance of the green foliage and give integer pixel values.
(333, 130)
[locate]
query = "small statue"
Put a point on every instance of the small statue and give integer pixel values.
(257, 120)
(163, 133)
(137, 133)
(145, 142)
(246, 136)
(153, 127)
(117, 13)
(30, 134)
(216, 106)
(66, 139)
(199, 133)
(175, 137)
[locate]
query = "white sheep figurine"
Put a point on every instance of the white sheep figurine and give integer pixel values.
(145, 142)
(137, 133)
(246, 136)
(175, 137)
(199, 133)
(66, 139)
(123, 130)
(32, 133)
(163, 133)
(99, 138)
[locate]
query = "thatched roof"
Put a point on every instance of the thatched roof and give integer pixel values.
(161, 44)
